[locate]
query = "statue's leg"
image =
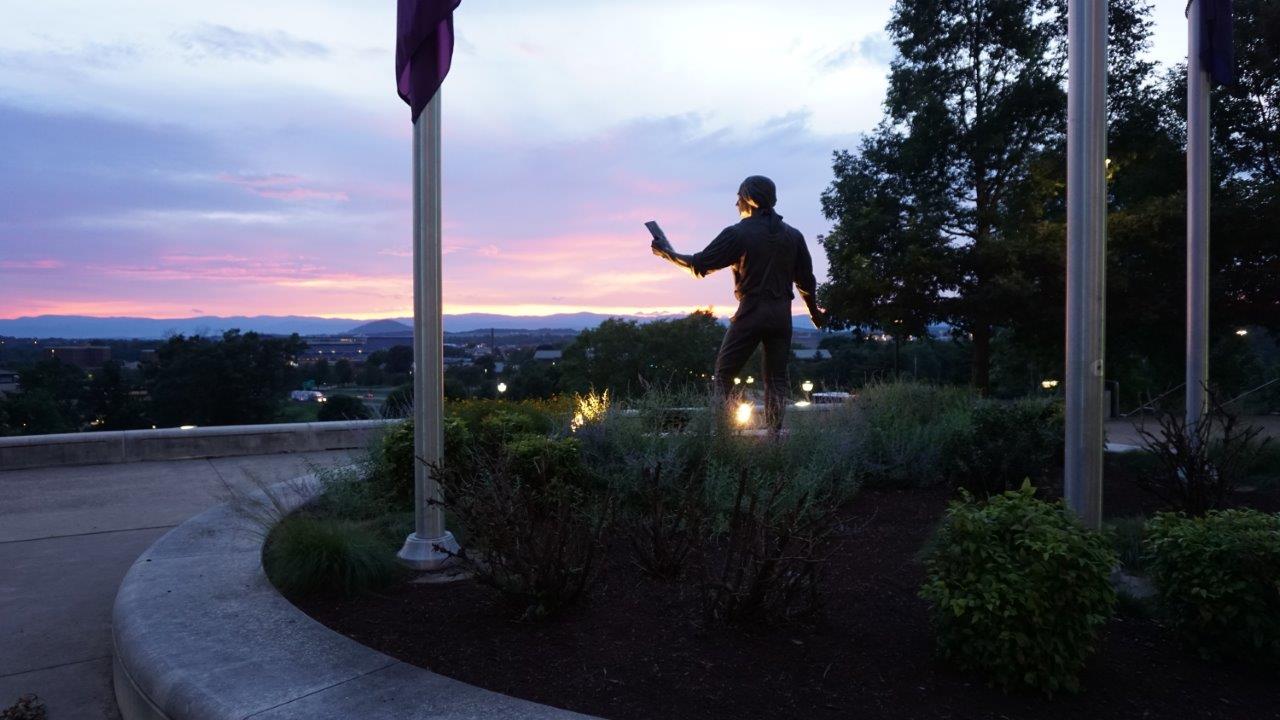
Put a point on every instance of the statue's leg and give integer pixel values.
(739, 342)
(777, 356)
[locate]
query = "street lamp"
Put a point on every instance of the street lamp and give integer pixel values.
(502, 387)
(750, 379)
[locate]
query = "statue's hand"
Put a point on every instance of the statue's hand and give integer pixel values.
(661, 247)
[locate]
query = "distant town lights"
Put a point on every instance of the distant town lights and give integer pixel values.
(1048, 384)
(1242, 332)
(186, 427)
(737, 381)
(750, 380)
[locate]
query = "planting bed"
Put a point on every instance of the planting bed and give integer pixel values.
(633, 649)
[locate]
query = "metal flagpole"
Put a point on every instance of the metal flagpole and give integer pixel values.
(424, 549)
(1197, 220)
(1086, 255)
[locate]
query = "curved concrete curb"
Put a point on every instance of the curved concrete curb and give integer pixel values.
(201, 634)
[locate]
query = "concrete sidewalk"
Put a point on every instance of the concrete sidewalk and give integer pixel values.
(67, 537)
(1125, 430)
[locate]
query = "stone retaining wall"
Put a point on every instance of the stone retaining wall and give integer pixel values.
(124, 446)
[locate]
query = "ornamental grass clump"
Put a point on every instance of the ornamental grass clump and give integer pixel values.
(1218, 579)
(1019, 589)
(307, 555)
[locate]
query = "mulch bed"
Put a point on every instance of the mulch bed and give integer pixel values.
(633, 649)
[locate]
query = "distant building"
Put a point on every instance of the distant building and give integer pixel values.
(149, 355)
(551, 356)
(8, 382)
(374, 343)
(812, 354)
(333, 348)
(85, 357)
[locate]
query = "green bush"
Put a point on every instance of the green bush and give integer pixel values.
(906, 431)
(498, 418)
(534, 527)
(1218, 579)
(1006, 443)
(323, 556)
(1019, 589)
(391, 472)
(343, 407)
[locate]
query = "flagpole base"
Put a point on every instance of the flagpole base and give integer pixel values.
(428, 554)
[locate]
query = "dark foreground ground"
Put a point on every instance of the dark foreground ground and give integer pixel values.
(633, 651)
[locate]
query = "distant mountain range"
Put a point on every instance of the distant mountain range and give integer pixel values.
(84, 327)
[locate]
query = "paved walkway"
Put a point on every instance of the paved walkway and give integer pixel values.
(67, 537)
(1124, 431)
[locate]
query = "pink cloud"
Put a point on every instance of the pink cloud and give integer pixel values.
(277, 186)
(45, 264)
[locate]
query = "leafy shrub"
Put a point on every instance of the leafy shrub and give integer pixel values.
(1019, 589)
(319, 556)
(391, 470)
(501, 417)
(656, 467)
(28, 707)
(1218, 579)
(664, 517)
(773, 517)
(343, 407)
(1006, 443)
(1197, 471)
(534, 526)
(908, 430)
(391, 473)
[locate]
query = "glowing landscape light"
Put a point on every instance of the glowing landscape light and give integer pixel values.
(807, 386)
(502, 387)
(743, 414)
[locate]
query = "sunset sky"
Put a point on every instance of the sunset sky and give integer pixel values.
(170, 159)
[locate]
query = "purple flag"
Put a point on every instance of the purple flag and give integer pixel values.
(424, 49)
(1216, 52)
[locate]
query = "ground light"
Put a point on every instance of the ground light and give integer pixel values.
(743, 414)
(502, 387)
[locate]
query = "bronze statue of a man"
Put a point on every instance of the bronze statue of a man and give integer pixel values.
(768, 256)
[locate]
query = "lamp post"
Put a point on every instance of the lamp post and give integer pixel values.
(807, 387)
(502, 388)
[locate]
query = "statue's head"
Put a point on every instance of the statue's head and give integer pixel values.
(756, 193)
